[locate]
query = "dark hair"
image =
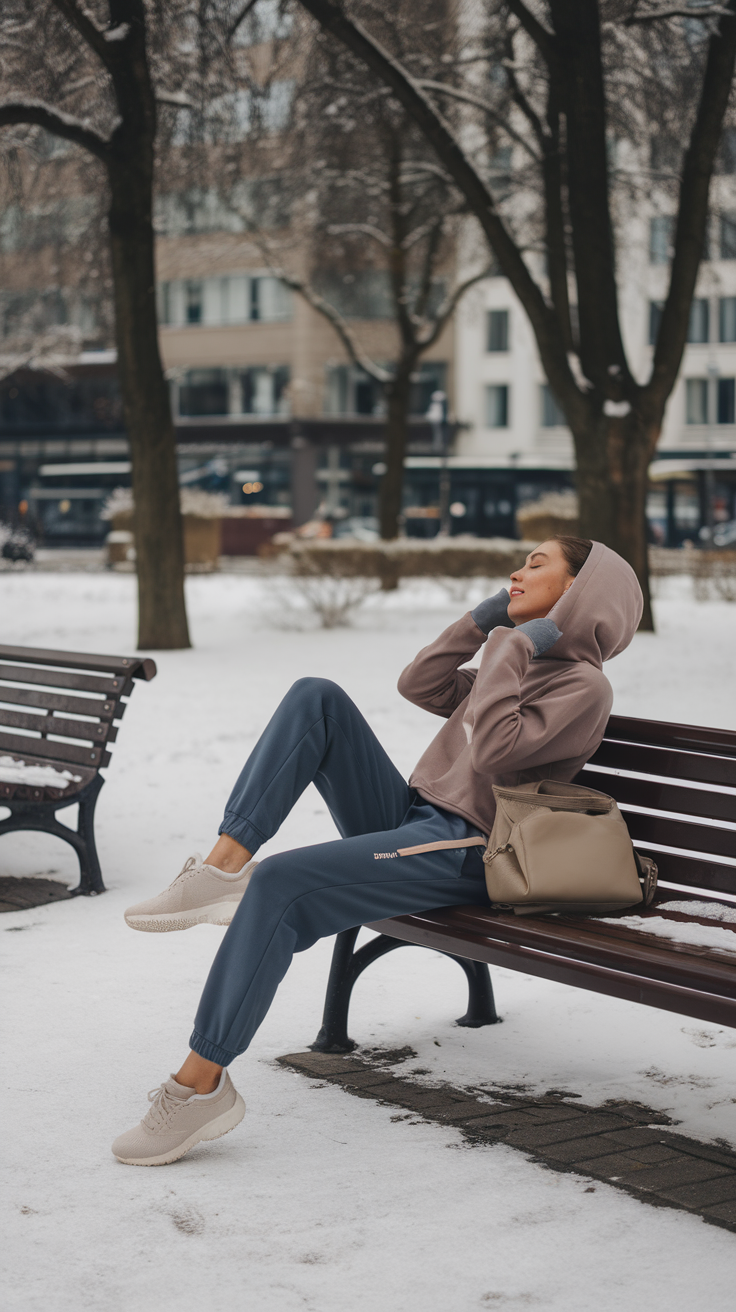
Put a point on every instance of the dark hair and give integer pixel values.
(575, 551)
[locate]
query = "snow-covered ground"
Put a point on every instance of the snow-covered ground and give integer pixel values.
(318, 1201)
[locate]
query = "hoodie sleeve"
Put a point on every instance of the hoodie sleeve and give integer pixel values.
(434, 680)
(505, 735)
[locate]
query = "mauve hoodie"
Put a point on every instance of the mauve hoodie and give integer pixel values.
(516, 719)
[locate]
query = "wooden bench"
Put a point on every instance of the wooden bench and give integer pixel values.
(676, 786)
(66, 705)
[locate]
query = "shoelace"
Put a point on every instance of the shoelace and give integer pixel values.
(163, 1105)
(191, 866)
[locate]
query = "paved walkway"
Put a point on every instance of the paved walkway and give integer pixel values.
(622, 1144)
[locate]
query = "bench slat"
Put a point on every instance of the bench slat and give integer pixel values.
(665, 761)
(92, 731)
(640, 937)
(692, 737)
(52, 753)
(136, 667)
(678, 833)
(102, 708)
(661, 796)
(711, 876)
(440, 930)
(121, 687)
(47, 791)
(615, 946)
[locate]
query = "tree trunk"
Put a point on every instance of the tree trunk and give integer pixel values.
(162, 619)
(613, 458)
(398, 392)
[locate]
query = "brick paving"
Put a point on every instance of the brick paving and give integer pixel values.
(623, 1144)
(19, 894)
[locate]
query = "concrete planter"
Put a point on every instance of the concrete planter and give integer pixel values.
(202, 538)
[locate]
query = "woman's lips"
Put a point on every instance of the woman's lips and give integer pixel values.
(516, 592)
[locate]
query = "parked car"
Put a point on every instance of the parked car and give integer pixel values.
(18, 545)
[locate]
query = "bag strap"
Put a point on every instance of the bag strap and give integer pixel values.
(444, 845)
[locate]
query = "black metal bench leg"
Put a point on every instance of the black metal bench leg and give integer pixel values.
(348, 965)
(481, 1002)
(90, 875)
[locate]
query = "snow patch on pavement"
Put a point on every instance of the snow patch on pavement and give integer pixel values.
(318, 1200)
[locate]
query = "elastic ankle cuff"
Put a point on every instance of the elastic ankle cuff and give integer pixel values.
(242, 831)
(211, 1051)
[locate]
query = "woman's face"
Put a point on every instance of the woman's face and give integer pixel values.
(539, 583)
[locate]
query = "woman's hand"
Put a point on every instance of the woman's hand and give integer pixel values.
(493, 612)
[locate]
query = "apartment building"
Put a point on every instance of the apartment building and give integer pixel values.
(512, 437)
(263, 393)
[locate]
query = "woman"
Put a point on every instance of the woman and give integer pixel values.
(536, 708)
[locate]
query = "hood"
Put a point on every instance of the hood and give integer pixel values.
(600, 613)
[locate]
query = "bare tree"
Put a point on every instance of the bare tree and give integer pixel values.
(90, 76)
(375, 205)
(365, 200)
(550, 78)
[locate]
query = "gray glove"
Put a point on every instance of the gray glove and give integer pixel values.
(543, 633)
(492, 613)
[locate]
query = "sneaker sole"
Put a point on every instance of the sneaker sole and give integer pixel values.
(214, 1130)
(160, 922)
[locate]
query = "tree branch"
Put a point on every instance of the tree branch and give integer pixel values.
(428, 85)
(692, 213)
(328, 312)
(247, 7)
(520, 99)
(469, 182)
(542, 38)
(368, 230)
(177, 98)
(36, 113)
(87, 28)
(582, 99)
(446, 311)
(657, 15)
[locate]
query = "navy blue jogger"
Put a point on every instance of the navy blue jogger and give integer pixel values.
(294, 898)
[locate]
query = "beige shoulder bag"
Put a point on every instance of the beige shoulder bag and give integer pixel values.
(561, 847)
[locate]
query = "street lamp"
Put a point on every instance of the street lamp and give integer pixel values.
(437, 416)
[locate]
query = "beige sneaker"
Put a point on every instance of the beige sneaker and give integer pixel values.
(200, 895)
(178, 1119)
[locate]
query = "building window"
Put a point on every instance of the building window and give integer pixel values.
(204, 392)
(270, 300)
(260, 390)
(698, 328)
(164, 302)
(726, 158)
(351, 391)
(213, 302)
(497, 405)
(264, 390)
(728, 236)
(698, 324)
(726, 408)
(193, 302)
(552, 414)
(660, 239)
(727, 319)
(430, 377)
(696, 401)
(655, 319)
(497, 330)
